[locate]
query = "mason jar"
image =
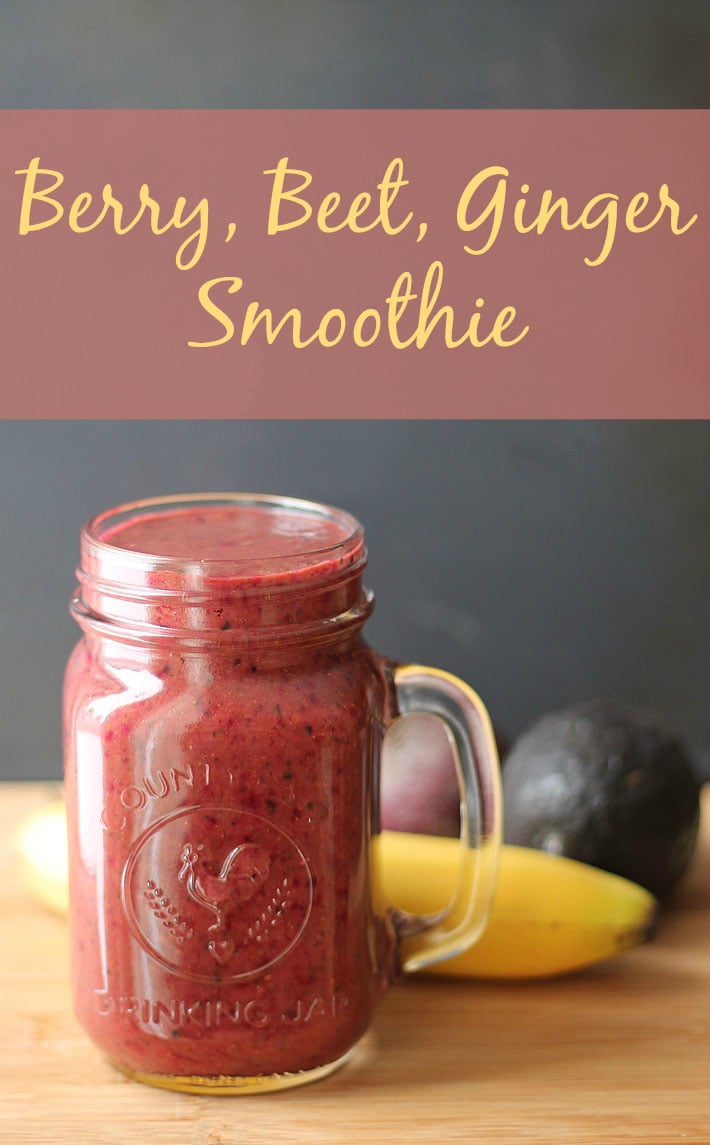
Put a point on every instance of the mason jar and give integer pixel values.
(224, 721)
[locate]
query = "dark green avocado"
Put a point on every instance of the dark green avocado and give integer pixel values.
(608, 785)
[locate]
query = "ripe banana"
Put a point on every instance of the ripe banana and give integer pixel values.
(550, 915)
(42, 856)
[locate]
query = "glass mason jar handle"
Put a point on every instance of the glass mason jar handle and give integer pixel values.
(427, 939)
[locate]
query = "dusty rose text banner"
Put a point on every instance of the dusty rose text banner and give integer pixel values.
(355, 264)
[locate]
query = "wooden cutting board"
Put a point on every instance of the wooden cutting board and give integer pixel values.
(620, 1053)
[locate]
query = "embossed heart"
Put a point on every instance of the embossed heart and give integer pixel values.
(221, 951)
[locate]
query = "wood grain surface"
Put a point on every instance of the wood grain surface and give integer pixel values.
(620, 1053)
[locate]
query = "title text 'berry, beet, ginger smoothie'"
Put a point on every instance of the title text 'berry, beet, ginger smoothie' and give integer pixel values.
(222, 721)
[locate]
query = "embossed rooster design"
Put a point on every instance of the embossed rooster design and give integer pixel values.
(243, 872)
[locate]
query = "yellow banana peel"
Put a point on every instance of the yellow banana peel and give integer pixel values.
(41, 847)
(550, 915)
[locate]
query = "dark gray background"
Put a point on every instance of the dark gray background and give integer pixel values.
(381, 53)
(546, 562)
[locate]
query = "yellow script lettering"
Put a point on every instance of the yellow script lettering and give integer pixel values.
(279, 194)
(410, 319)
(30, 194)
(216, 311)
(332, 204)
(493, 209)
(600, 212)
(667, 200)
(188, 253)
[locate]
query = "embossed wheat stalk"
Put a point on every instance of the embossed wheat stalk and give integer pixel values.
(161, 906)
(273, 913)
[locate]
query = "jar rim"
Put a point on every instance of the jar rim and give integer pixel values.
(95, 544)
(313, 586)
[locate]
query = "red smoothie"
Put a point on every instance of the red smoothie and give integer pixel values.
(223, 718)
